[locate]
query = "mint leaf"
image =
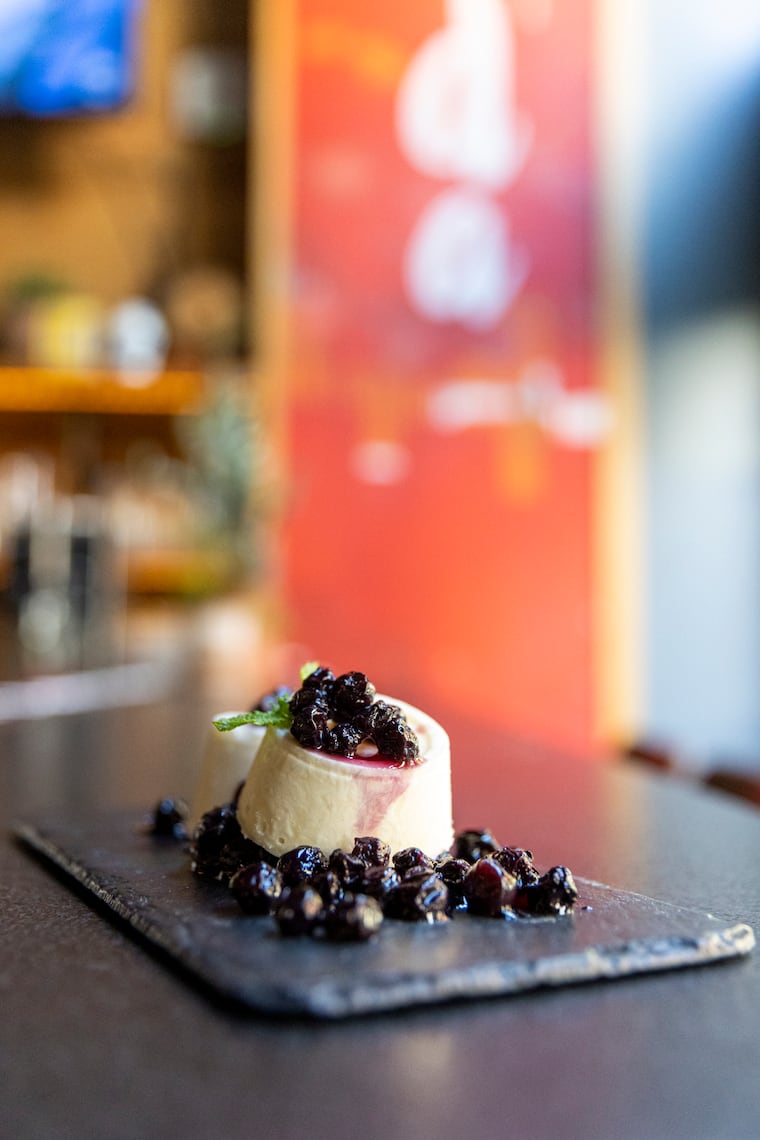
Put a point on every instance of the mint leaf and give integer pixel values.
(279, 716)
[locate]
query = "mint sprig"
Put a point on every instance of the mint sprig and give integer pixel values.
(279, 716)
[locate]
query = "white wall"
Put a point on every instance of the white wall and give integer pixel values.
(703, 491)
(701, 299)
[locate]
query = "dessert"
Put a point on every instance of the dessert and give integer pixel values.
(338, 761)
(295, 795)
(344, 819)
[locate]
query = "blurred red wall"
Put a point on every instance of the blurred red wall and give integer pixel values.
(443, 416)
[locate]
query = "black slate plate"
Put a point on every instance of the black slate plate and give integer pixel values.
(146, 882)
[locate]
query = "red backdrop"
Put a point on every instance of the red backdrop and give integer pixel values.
(443, 414)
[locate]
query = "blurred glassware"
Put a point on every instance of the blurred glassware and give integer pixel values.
(137, 341)
(64, 586)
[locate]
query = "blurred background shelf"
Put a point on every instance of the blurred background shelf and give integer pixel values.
(183, 572)
(99, 391)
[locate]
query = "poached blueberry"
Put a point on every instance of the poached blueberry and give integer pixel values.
(256, 887)
(420, 896)
(355, 918)
(488, 888)
(168, 819)
(474, 844)
(300, 864)
(372, 851)
(298, 910)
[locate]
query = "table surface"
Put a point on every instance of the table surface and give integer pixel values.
(98, 1038)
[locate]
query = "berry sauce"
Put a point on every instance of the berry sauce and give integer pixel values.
(369, 762)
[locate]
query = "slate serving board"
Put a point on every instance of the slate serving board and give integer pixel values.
(241, 959)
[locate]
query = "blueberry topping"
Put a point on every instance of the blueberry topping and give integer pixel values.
(473, 845)
(219, 848)
(305, 700)
(454, 872)
(488, 888)
(256, 887)
(330, 887)
(216, 830)
(379, 882)
(300, 864)
(310, 727)
(348, 868)
(351, 693)
(372, 851)
(298, 910)
(338, 714)
(518, 862)
(372, 718)
(343, 740)
(342, 897)
(356, 918)
(168, 819)
(397, 741)
(241, 851)
(320, 678)
(421, 896)
(554, 893)
(411, 859)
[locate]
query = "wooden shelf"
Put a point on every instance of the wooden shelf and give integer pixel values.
(23, 389)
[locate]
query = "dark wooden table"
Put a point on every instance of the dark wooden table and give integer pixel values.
(99, 1039)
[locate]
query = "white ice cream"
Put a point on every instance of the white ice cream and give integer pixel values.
(293, 795)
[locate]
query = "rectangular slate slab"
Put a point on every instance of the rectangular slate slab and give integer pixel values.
(198, 927)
